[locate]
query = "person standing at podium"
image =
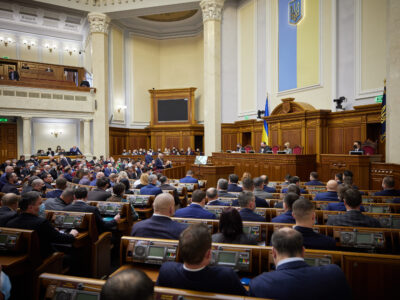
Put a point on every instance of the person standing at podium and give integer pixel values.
(357, 146)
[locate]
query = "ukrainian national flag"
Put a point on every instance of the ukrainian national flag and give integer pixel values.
(383, 115)
(264, 137)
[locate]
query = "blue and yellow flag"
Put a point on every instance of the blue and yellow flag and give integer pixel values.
(264, 137)
(383, 115)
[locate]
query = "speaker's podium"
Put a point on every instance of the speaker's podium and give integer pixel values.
(211, 173)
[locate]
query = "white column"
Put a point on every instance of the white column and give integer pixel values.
(86, 138)
(27, 136)
(99, 31)
(212, 11)
(393, 82)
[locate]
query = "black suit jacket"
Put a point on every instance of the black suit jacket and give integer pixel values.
(98, 195)
(6, 214)
(81, 206)
(353, 218)
(47, 234)
(10, 188)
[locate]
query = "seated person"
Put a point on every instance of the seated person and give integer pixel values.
(330, 194)
(248, 186)
(295, 180)
(151, 188)
(240, 148)
(165, 186)
(85, 180)
(348, 179)
(357, 146)
(61, 202)
(259, 189)
(247, 204)
(264, 148)
(287, 179)
(339, 206)
(127, 285)
(189, 178)
(314, 179)
(292, 188)
(8, 209)
(294, 278)
(304, 214)
(194, 273)
(339, 178)
(287, 217)
(11, 185)
(80, 205)
(47, 179)
(267, 188)
(196, 208)
(143, 181)
(353, 216)
(61, 185)
(29, 219)
(75, 151)
(100, 193)
(233, 183)
(38, 186)
(212, 198)
(231, 229)
(118, 193)
(159, 163)
(222, 186)
(287, 148)
(388, 187)
(160, 225)
(98, 175)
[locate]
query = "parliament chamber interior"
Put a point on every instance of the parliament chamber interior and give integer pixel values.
(186, 149)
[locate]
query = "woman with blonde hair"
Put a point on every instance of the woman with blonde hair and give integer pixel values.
(144, 180)
(287, 149)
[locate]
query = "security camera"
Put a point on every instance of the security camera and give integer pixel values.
(339, 102)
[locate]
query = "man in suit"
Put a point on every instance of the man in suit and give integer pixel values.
(75, 151)
(151, 188)
(304, 214)
(248, 186)
(212, 197)
(295, 180)
(61, 185)
(189, 151)
(160, 162)
(165, 186)
(109, 170)
(314, 179)
(148, 158)
(240, 148)
(65, 161)
(29, 219)
(98, 175)
(222, 186)
(21, 162)
(353, 216)
(99, 193)
(160, 225)
(7, 170)
(47, 180)
(266, 187)
(259, 189)
(264, 148)
(294, 278)
(339, 206)
(189, 178)
(11, 185)
(67, 173)
(38, 186)
(60, 202)
(287, 217)
(330, 194)
(388, 187)
(247, 204)
(8, 209)
(233, 184)
(194, 273)
(196, 208)
(357, 146)
(80, 205)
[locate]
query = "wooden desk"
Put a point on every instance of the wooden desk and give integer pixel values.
(360, 165)
(276, 166)
(212, 173)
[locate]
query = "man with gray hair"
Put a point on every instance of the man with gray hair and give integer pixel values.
(8, 209)
(212, 197)
(259, 189)
(3, 180)
(160, 225)
(222, 186)
(151, 188)
(58, 203)
(38, 186)
(247, 202)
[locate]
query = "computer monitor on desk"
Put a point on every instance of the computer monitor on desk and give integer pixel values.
(356, 152)
(201, 160)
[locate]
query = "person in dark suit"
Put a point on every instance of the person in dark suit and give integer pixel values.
(248, 186)
(353, 216)
(303, 212)
(233, 184)
(357, 146)
(247, 204)
(61, 185)
(148, 158)
(259, 189)
(194, 273)
(222, 186)
(67, 173)
(339, 178)
(75, 151)
(159, 163)
(314, 179)
(99, 193)
(240, 148)
(196, 208)
(165, 186)
(59, 203)
(339, 206)
(266, 187)
(47, 180)
(330, 194)
(7, 170)
(295, 180)
(212, 197)
(8, 209)
(287, 216)
(294, 278)
(21, 162)
(264, 148)
(65, 161)
(11, 185)
(388, 187)
(29, 219)
(231, 229)
(109, 170)
(189, 178)
(151, 188)
(160, 224)
(80, 205)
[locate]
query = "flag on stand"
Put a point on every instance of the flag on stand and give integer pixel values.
(383, 115)
(265, 129)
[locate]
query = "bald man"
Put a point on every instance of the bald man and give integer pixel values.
(331, 194)
(160, 224)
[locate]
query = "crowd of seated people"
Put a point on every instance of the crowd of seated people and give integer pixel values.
(167, 151)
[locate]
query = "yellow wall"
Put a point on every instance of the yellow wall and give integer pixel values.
(118, 94)
(247, 58)
(11, 50)
(43, 138)
(373, 44)
(31, 54)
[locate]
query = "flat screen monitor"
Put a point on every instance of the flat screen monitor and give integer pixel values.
(69, 220)
(201, 160)
(364, 238)
(356, 152)
(172, 110)
(281, 152)
(227, 258)
(157, 252)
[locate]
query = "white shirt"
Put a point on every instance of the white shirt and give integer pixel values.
(193, 270)
(158, 215)
(288, 260)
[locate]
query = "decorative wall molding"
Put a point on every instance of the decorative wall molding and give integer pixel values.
(98, 22)
(212, 9)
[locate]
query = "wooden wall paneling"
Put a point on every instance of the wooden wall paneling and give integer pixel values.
(379, 170)
(186, 141)
(293, 136)
(350, 134)
(8, 141)
(310, 144)
(335, 140)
